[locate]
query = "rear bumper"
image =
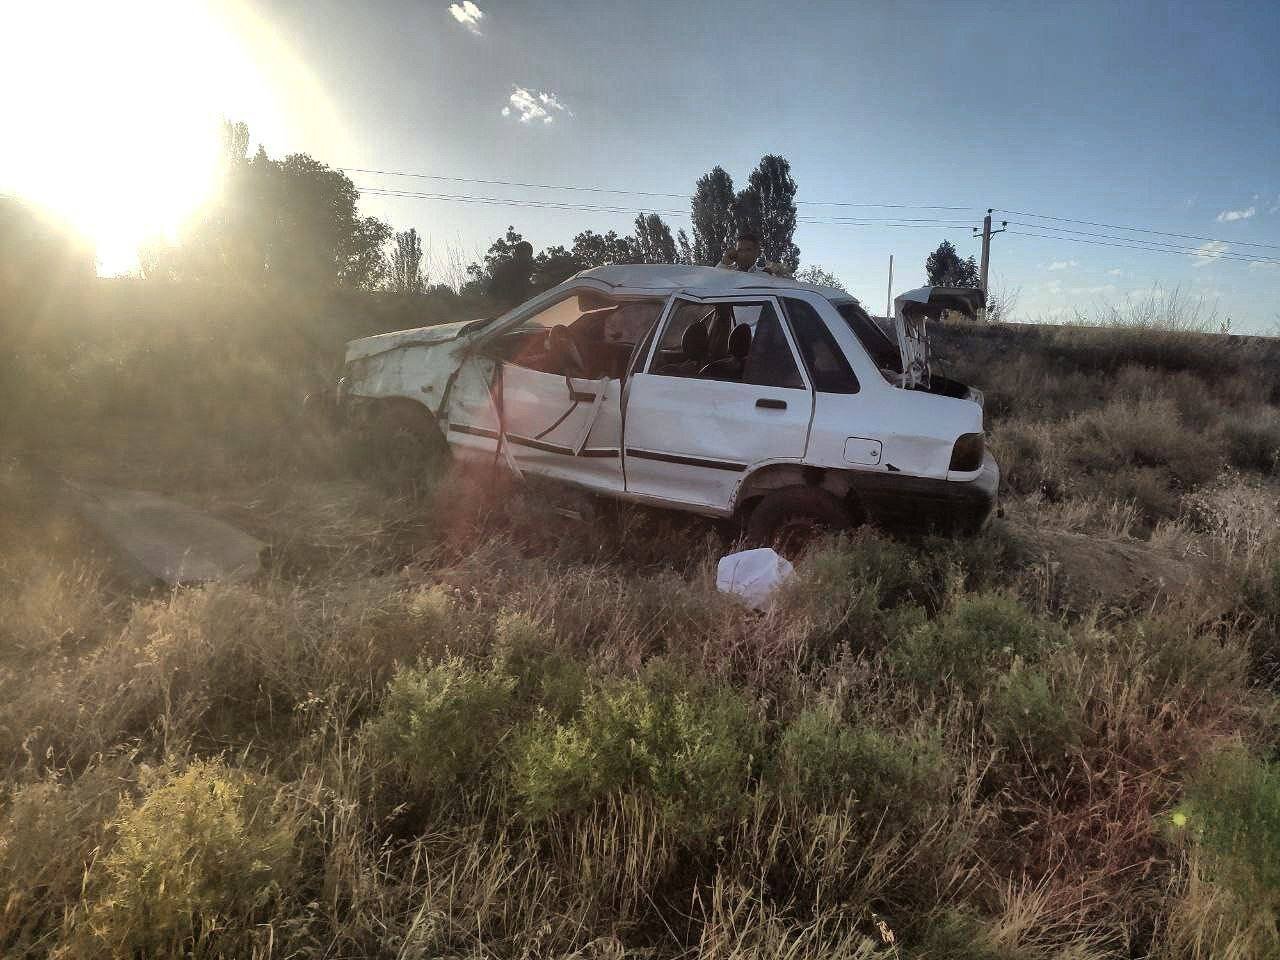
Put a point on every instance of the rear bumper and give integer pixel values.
(920, 502)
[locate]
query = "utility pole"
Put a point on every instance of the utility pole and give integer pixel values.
(888, 308)
(987, 234)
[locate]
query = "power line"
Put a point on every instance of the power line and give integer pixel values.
(1172, 247)
(635, 193)
(513, 201)
(934, 223)
(1206, 255)
(1113, 226)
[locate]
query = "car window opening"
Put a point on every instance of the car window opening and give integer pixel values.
(583, 336)
(736, 342)
(883, 351)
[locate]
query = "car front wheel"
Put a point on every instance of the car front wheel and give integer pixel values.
(791, 518)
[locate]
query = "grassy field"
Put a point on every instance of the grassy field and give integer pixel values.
(451, 719)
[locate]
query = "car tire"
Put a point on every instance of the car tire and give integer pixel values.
(396, 433)
(790, 518)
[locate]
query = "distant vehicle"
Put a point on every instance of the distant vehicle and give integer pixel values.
(706, 390)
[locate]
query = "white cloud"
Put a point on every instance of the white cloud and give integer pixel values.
(1226, 216)
(467, 14)
(1115, 273)
(1063, 265)
(533, 105)
(1206, 253)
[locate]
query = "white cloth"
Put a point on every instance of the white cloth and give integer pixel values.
(753, 575)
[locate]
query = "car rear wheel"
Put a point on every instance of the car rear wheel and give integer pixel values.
(790, 519)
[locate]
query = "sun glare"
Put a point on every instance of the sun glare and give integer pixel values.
(115, 112)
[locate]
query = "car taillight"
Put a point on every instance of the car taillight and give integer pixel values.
(966, 455)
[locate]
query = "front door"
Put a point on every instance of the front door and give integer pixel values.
(722, 392)
(563, 427)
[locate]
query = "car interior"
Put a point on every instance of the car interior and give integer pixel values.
(739, 342)
(592, 337)
(598, 343)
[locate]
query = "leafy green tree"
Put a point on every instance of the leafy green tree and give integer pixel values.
(652, 241)
(821, 277)
(506, 275)
(554, 265)
(685, 249)
(712, 213)
(406, 263)
(944, 268)
(291, 222)
(767, 207)
(593, 249)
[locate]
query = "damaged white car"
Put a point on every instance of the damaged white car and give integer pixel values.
(705, 390)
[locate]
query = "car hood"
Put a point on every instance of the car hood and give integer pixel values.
(417, 337)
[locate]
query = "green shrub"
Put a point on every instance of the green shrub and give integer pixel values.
(1233, 808)
(852, 589)
(440, 724)
(690, 749)
(194, 866)
(822, 761)
(980, 635)
(1026, 713)
(544, 671)
(1185, 663)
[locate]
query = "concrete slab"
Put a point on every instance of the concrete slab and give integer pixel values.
(167, 540)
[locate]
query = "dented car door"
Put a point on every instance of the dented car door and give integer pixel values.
(722, 392)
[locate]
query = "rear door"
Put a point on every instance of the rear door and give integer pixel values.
(695, 424)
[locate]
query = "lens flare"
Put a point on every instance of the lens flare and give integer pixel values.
(114, 111)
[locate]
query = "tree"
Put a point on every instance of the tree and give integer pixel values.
(291, 222)
(944, 268)
(507, 273)
(406, 263)
(685, 254)
(712, 213)
(820, 277)
(38, 253)
(767, 207)
(653, 242)
(554, 265)
(593, 249)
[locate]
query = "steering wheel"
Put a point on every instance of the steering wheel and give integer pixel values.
(562, 346)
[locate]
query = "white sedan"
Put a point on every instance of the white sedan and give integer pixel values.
(706, 390)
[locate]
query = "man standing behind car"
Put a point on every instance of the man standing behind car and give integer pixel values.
(744, 255)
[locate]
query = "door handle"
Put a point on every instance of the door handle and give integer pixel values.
(769, 404)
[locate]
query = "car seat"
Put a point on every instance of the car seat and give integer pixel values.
(564, 354)
(693, 345)
(732, 366)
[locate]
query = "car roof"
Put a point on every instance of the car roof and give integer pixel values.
(707, 281)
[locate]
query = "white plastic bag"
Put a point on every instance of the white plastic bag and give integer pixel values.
(753, 575)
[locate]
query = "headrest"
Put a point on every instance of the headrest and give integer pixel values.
(694, 341)
(740, 341)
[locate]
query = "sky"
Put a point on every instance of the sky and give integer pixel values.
(1160, 116)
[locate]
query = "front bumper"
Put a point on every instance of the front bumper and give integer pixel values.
(961, 506)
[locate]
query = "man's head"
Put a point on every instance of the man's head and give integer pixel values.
(747, 252)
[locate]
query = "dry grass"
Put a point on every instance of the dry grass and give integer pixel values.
(925, 748)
